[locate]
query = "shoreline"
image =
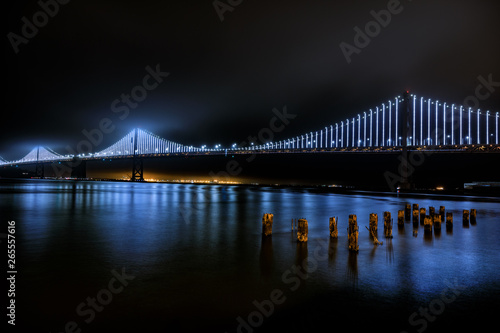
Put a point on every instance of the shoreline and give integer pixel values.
(491, 193)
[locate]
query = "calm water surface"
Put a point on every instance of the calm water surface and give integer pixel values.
(199, 261)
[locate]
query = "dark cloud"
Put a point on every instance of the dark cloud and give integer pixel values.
(227, 76)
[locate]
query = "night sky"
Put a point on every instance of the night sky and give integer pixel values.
(227, 76)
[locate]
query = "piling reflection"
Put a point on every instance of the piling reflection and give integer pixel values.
(352, 268)
(428, 236)
(389, 251)
(415, 232)
(266, 258)
(415, 227)
(301, 264)
(301, 254)
(372, 252)
(401, 229)
(332, 250)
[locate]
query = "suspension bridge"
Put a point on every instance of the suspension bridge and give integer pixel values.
(399, 125)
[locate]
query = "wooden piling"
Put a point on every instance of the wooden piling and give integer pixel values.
(373, 228)
(387, 225)
(334, 232)
(473, 214)
(442, 213)
(401, 217)
(449, 220)
(415, 213)
(428, 223)
(436, 221)
(407, 212)
(432, 211)
(374, 237)
(465, 218)
(422, 216)
(302, 230)
(267, 224)
(373, 223)
(353, 233)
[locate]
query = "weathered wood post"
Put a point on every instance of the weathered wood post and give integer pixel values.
(466, 218)
(422, 216)
(302, 230)
(401, 217)
(373, 223)
(373, 228)
(428, 223)
(353, 233)
(407, 212)
(267, 224)
(387, 225)
(442, 213)
(334, 232)
(432, 211)
(415, 213)
(436, 221)
(473, 214)
(449, 220)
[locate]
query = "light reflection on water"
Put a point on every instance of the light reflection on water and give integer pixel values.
(197, 250)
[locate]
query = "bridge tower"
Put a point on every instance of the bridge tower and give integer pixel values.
(405, 130)
(137, 163)
(39, 169)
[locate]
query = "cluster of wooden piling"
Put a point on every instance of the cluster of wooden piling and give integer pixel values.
(434, 219)
(431, 221)
(469, 216)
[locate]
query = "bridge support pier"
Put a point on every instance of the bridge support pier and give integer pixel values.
(137, 163)
(137, 169)
(39, 170)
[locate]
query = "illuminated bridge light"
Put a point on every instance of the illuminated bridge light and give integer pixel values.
(496, 127)
(387, 123)
(478, 136)
(487, 128)
(469, 137)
